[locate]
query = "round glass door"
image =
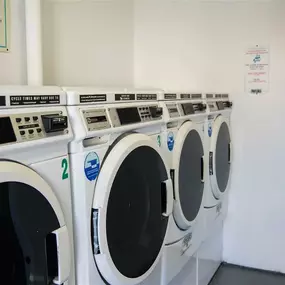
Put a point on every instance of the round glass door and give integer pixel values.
(191, 172)
(28, 249)
(134, 228)
(34, 242)
(188, 168)
(222, 157)
(135, 225)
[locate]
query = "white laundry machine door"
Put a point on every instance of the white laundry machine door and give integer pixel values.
(188, 174)
(34, 241)
(220, 156)
(132, 202)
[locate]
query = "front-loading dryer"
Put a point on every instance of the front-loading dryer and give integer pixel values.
(36, 241)
(122, 191)
(183, 145)
(219, 152)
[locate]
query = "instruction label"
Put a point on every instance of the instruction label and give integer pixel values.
(124, 97)
(93, 98)
(257, 70)
(34, 100)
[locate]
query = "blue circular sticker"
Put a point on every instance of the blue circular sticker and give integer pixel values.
(91, 166)
(170, 141)
(210, 129)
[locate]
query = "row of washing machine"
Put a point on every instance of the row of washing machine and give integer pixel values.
(112, 186)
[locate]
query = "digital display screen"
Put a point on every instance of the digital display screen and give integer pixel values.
(97, 119)
(128, 116)
(7, 134)
(188, 108)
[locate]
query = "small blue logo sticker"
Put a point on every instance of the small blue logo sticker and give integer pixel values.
(210, 129)
(257, 58)
(158, 140)
(91, 166)
(170, 141)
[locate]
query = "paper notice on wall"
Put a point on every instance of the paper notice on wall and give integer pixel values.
(257, 70)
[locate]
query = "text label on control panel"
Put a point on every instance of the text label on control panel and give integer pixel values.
(34, 100)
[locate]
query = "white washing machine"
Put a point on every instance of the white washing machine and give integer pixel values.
(122, 190)
(36, 241)
(219, 152)
(219, 149)
(182, 142)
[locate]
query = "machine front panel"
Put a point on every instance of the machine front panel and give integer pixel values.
(16, 128)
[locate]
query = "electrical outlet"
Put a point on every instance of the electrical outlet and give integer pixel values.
(4, 25)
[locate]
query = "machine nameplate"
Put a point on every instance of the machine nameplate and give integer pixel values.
(124, 97)
(93, 98)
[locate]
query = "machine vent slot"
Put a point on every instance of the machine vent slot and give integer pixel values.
(209, 96)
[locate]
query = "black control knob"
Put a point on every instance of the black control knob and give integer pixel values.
(202, 107)
(35, 118)
(156, 112)
(27, 119)
(54, 123)
(31, 132)
(39, 131)
(18, 120)
(22, 133)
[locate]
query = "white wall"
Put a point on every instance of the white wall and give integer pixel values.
(186, 44)
(88, 43)
(13, 64)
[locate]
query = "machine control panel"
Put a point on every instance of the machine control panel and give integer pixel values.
(17, 128)
(96, 119)
(172, 110)
(219, 105)
(213, 106)
(192, 108)
(132, 115)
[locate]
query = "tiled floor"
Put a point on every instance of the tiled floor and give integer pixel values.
(233, 275)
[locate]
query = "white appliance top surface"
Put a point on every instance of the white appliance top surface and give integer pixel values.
(31, 96)
(94, 95)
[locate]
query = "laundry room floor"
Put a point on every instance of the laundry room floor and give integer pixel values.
(229, 274)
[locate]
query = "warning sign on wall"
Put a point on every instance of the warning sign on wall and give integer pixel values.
(257, 70)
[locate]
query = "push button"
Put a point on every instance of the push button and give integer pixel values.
(39, 130)
(27, 119)
(31, 132)
(22, 133)
(35, 118)
(18, 120)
